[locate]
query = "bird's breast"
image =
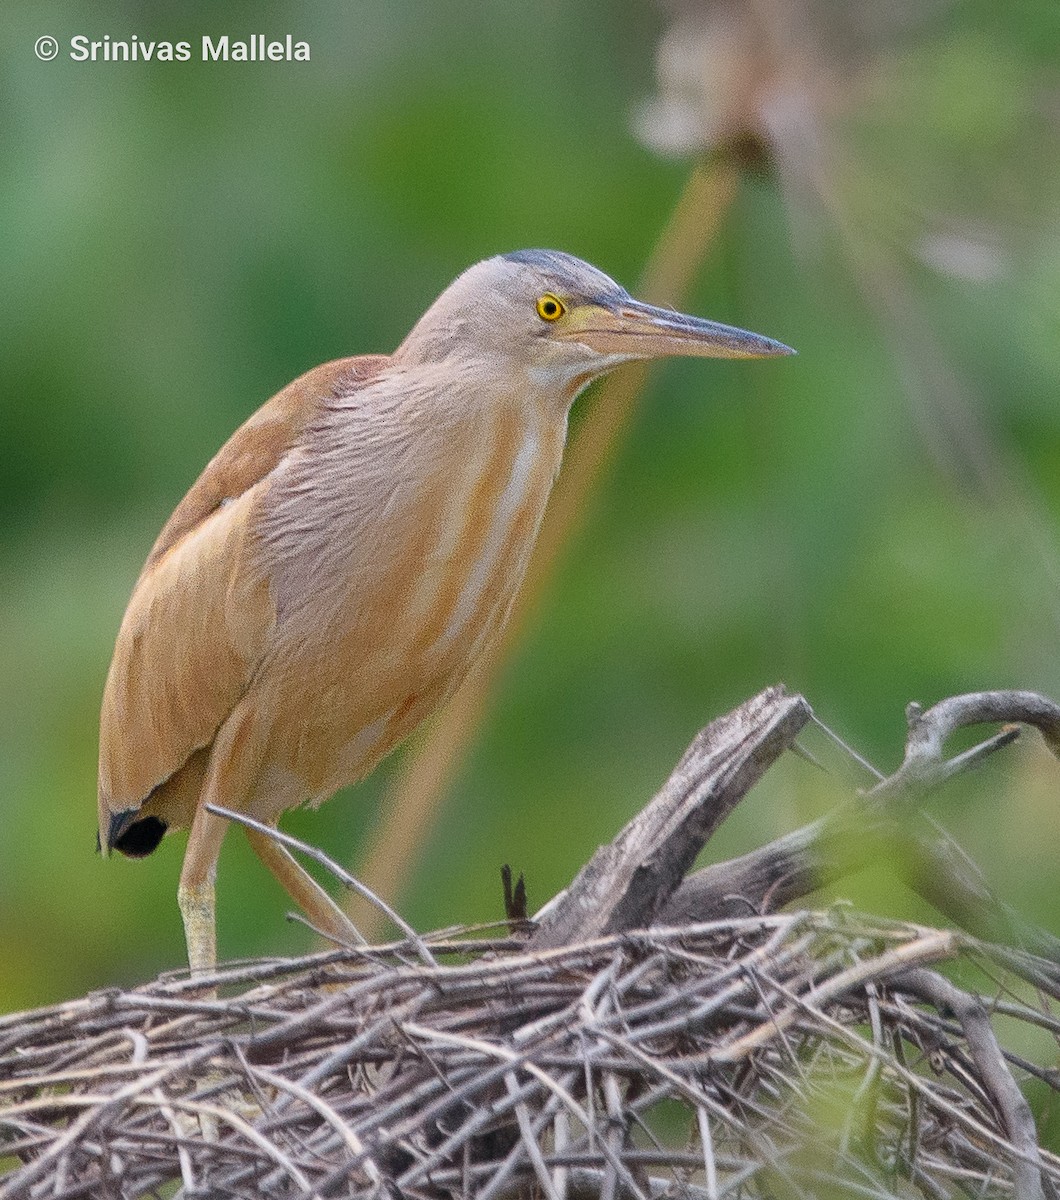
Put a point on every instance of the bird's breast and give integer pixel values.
(483, 519)
(406, 590)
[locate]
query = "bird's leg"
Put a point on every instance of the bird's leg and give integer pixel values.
(200, 926)
(234, 762)
(323, 913)
(195, 895)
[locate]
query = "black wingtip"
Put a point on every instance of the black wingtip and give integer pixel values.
(133, 837)
(119, 822)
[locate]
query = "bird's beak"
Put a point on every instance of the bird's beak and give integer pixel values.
(631, 329)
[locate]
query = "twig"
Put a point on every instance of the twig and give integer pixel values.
(340, 873)
(993, 1071)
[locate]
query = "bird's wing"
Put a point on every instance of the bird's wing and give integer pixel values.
(201, 610)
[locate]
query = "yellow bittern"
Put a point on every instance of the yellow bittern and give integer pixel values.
(347, 555)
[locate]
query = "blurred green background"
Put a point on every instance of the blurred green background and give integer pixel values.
(872, 522)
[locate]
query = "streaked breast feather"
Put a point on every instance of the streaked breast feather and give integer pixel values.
(491, 512)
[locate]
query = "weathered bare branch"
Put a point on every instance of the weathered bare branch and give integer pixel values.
(929, 729)
(628, 881)
(799, 863)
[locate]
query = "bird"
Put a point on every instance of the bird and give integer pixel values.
(346, 557)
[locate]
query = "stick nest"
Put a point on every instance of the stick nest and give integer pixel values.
(802, 1054)
(652, 1032)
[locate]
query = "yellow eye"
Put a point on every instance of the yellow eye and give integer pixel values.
(549, 307)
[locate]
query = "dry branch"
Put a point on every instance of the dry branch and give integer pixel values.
(820, 853)
(627, 882)
(617, 1050)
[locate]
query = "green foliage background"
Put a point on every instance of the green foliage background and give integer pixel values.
(179, 241)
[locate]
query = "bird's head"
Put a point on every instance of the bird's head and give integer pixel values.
(556, 322)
